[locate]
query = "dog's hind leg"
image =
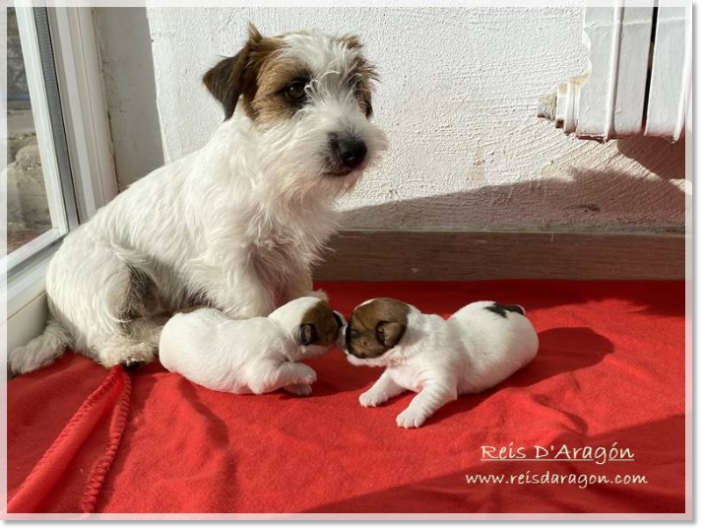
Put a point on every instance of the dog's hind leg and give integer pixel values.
(137, 341)
(146, 330)
(105, 303)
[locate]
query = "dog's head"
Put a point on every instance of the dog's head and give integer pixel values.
(313, 324)
(375, 327)
(308, 96)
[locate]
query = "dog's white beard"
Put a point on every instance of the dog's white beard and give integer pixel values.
(293, 154)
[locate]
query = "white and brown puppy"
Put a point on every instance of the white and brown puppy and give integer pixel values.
(236, 225)
(257, 355)
(476, 348)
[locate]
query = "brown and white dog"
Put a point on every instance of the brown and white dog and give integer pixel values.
(476, 348)
(257, 355)
(236, 225)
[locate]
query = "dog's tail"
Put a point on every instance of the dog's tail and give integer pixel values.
(40, 351)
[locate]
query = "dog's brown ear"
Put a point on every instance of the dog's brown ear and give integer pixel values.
(389, 333)
(308, 334)
(228, 78)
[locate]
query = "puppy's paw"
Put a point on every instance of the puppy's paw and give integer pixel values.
(306, 375)
(299, 389)
(410, 419)
(371, 399)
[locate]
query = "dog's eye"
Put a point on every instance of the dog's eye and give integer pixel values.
(296, 91)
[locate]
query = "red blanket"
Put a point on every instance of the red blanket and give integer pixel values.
(609, 374)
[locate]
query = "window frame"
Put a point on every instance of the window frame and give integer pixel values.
(51, 139)
(87, 133)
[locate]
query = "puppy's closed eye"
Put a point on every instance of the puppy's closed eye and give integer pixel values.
(308, 334)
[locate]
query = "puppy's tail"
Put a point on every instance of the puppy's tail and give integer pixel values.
(40, 351)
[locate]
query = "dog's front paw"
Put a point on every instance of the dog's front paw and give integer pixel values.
(132, 365)
(371, 399)
(306, 375)
(138, 356)
(299, 389)
(410, 419)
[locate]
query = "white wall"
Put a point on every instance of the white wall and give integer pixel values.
(458, 100)
(128, 74)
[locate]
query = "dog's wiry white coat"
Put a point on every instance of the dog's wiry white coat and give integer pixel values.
(237, 224)
(256, 355)
(474, 350)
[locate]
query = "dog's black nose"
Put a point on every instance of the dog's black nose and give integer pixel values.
(351, 152)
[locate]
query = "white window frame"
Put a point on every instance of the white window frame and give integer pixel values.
(78, 66)
(45, 142)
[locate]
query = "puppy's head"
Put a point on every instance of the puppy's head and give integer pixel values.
(312, 323)
(308, 96)
(375, 327)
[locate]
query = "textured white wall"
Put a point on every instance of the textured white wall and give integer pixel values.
(458, 100)
(128, 73)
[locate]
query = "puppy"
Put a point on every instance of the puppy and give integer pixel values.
(257, 355)
(235, 226)
(478, 347)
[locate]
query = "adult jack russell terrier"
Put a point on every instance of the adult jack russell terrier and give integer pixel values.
(236, 225)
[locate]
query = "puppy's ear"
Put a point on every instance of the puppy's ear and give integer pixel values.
(228, 78)
(389, 333)
(308, 334)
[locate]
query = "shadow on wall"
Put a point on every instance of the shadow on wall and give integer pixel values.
(662, 158)
(563, 196)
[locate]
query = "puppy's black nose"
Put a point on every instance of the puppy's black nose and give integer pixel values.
(350, 152)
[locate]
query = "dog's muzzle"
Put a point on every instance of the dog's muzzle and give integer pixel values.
(346, 154)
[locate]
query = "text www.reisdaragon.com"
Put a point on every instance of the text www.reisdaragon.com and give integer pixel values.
(582, 481)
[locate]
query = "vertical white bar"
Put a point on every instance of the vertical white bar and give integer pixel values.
(632, 69)
(611, 101)
(85, 111)
(671, 70)
(40, 114)
(4, 139)
(595, 99)
(690, 295)
(3, 248)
